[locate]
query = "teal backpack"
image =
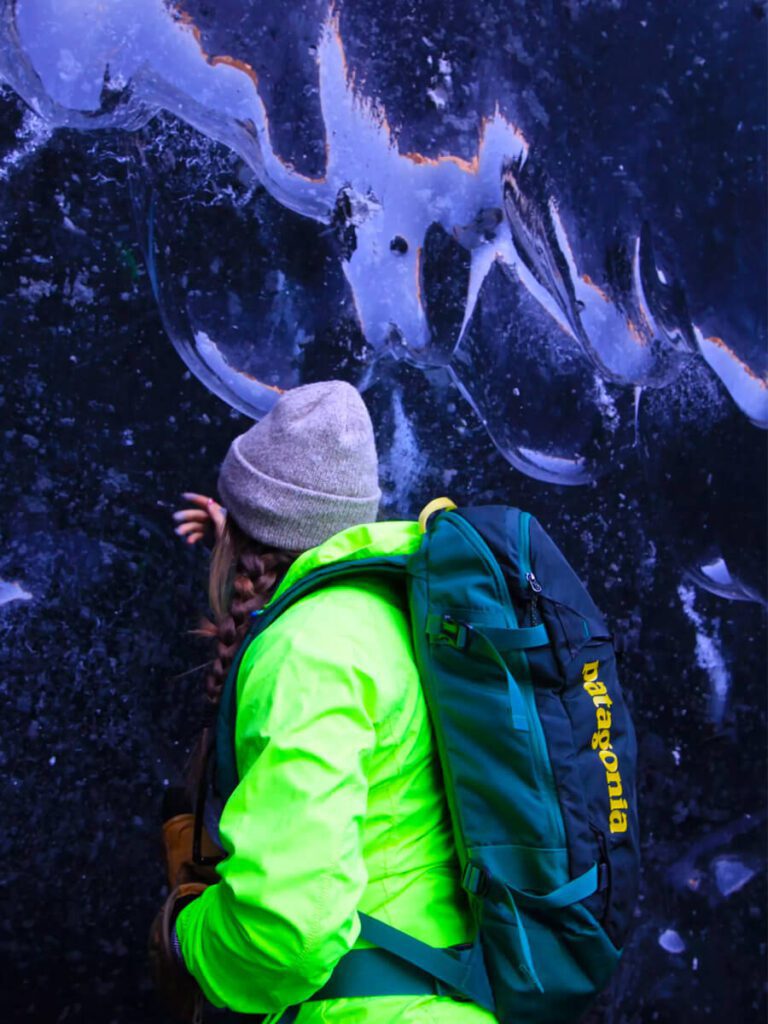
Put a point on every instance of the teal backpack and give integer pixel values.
(538, 756)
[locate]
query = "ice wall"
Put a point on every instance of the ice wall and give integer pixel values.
(534, 236)
(623, 325)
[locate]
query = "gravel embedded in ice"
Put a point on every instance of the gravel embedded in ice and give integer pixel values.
(12, 592)
(670, 941)
(731, 874)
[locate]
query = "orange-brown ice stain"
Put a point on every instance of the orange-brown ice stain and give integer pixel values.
(466, 166)
(186, 19)
(634, 332)
(740, 362)
(255, 380)
(595, 287)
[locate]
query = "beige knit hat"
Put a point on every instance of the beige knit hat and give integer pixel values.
(306, 471)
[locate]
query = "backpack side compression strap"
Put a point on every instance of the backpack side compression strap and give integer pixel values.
(403, 965)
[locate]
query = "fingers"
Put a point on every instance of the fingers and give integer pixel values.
(197, 499)
(191, 535)
(188, 515)
(195, 523)
(187, 529)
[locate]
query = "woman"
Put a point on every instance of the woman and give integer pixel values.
(340, 805)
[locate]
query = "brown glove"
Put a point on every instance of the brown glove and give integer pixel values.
(178, 833)
(175, 985)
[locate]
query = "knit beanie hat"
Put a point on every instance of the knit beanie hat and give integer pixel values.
(306, 470)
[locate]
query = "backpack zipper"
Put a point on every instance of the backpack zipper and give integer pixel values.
(528, 581)
(545, 778)
(603, 870)
(535, 587)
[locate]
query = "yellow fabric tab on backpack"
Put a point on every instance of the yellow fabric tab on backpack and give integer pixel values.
(434, 506)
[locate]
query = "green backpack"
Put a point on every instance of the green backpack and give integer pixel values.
(538, 756)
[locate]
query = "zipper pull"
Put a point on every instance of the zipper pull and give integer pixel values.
(535, 586)
(533, 583)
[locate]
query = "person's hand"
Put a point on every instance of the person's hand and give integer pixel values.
(203, 522)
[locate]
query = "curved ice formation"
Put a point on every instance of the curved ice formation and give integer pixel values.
(245, 392)
(715, 576)
(746, 388)
(86, 64)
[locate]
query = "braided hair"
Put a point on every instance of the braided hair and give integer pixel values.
(244, 575)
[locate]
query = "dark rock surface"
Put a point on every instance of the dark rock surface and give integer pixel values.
(103, 427)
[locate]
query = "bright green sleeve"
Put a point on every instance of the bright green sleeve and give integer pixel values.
(269, 934)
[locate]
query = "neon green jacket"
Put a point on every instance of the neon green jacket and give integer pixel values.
(340, 806)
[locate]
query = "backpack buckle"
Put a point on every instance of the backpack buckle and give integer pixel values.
(475, 879)
(444, 629)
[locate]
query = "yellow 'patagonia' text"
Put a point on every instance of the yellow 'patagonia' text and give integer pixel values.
(601, 743)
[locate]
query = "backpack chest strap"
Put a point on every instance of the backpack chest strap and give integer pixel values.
(445, 629)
